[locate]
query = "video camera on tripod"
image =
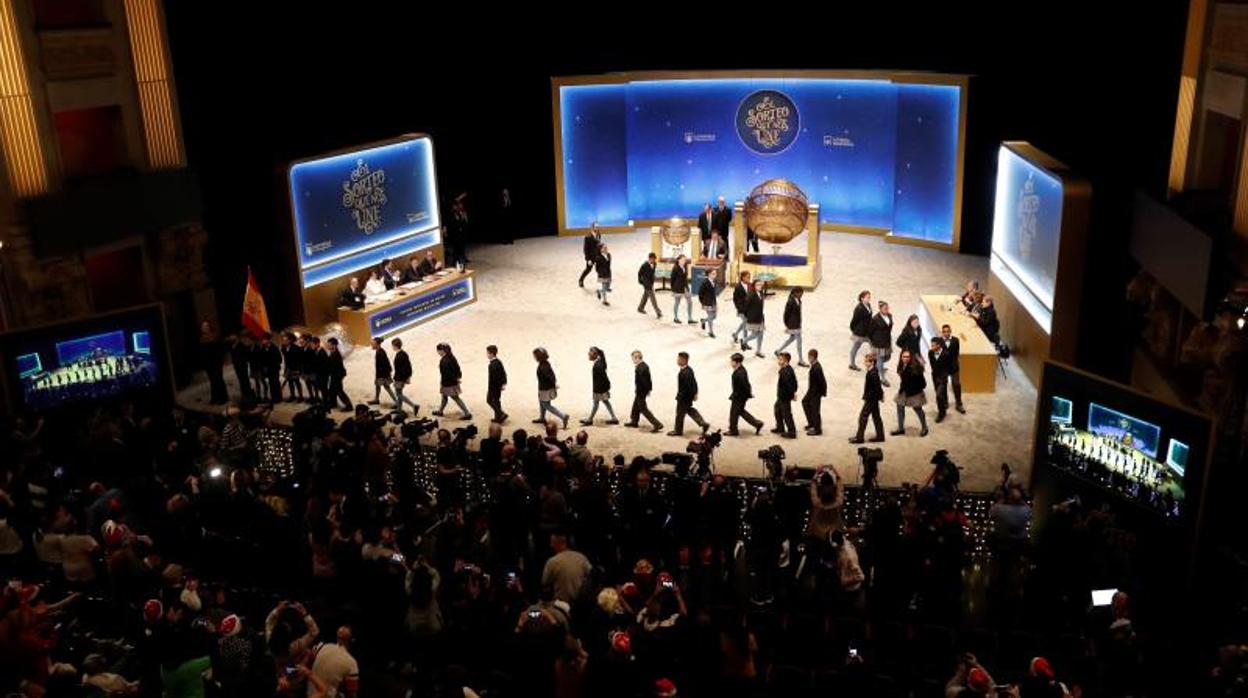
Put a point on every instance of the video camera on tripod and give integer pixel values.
(870, 458)
(773, 461)
(947, 472)
(703, 450)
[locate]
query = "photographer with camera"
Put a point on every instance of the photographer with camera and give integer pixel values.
(827, 504)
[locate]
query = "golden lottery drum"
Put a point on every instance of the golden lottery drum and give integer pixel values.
(776, 211)
(675, 232)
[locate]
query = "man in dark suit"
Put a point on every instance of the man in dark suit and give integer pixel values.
(786, 392)
(740, 299)
(954, 348)
(589, 248)
(859, 327)
(496, 384)
(390, 274)
(645, 277)
(939, 359)
(402, 376)
(706, 223)
(741, 392)
(351, 296)
(641, 390)
(872, 394)
(320, 368)
(881, 336)
(428, 266)
(721, 219)
(686, 394)
(271, 360)
(336, 371)
(715, 247)
(382, 374)
(816, 390)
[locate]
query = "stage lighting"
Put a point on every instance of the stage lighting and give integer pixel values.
(215, 472)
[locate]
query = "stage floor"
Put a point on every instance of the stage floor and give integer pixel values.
(528, 297)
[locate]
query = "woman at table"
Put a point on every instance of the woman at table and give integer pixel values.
(912, 392)
(911, 339)
(681, 283)
(547, 388)
(448, 368)
(968, 298)
(375, 286)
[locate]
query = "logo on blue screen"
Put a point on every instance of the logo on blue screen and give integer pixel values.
(767, 122)
(363, 195)
(1028, 212)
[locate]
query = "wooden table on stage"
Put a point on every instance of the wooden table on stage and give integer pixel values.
(978, 358)
(408, 305)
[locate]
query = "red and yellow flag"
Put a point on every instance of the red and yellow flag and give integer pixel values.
(255, 317)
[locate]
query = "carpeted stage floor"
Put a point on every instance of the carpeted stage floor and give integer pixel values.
(528, 297)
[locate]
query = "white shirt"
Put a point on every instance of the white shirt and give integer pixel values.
(333, 665)
(374, 287)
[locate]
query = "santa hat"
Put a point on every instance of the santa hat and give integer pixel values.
(153, 610)
(977, 680)
(113, 533)
(230, 625)
(630, 590)
(1041, 667)
(621, 642)
(664, 688)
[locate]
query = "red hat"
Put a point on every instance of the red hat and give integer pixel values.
(621, 642)
(1041, 667)
(977, 680)
(153, 610)
(114, 533)
(665, 578)
(230, 625)
(664, 688)
(630, 590)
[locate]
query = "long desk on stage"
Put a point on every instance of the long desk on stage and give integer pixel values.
(978, 358)
(408, 305)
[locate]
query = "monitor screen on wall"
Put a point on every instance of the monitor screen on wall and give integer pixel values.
(1026, 231)
(353, 209)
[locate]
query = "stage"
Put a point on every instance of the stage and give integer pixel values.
(528, 297)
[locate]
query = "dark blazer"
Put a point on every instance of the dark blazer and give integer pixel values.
(786, 384)
(705, 221)
(641, 380)
(881, 332)
(910, 340)
(351, 299)
(402, 366)
(989, 323)
(292, 356)
(872, 388)
(754, 309)
(741, 389)
(381, 364)
(271, 359)
(721, 220)
(546, 377)
(953, 347)
(940, 364)
(334, 366)
(602, 383)
(602, 264)
(740, 297)
(645, 274)
(497, 375)
(412, 274)
(239, 355)
(426, 268)
(320, 362)
(448, 367)
(590, 245)
(720, 253)
(392, 280)
(706, 292)
(817, 385)
(793, 314)
(686, 385)
(680, 279)
(912, 380)
(860, 324)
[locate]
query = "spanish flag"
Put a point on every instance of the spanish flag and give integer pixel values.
(255, 317)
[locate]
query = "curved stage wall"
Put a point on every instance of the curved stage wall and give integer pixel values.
(880, 153)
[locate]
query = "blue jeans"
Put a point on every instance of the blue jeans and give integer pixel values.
(750, 336)
(545, 406)
(853, 348)
(882, 355)
(711, 314)
(400, 398)
(594, 410)
(796, 336)
(458, 401)
(740, 331)
(688, 305)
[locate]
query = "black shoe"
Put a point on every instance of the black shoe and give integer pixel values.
(658, 316)
(777, 430)
(940, 417)
(689, 321)
(886, 384)
(776, 353)
(604, 302)
(538, 421)
(758, 428)
(852, 367)
(438, 413)
(598, 295)
(374, 402)
(814, 432)
(587, 422)
(759, 354)
(630, 424)
(676, 321)
(641, 311)
(803, 364)
(897, 432)
(745, 347)
(960, 409)
(876, 439)
(565, 421)
(675, 433)
(923, 432)
(500, 421)
(732, 432)
(702, 324)
(656, 428)
(466, 418)
(705, 428)
(855, 439)
(613, 422)
(581, 284)
(788, 435)
(711, 335)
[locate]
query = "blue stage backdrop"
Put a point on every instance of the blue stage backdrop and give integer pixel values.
(871, 153)
(353, 209)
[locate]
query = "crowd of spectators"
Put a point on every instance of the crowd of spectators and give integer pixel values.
(178, 555)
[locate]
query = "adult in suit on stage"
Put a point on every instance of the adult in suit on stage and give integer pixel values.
(642, 386)
(715, 247)
(786, 392)
(816, 390)
(590, 245)
(686, 394)
(954, 346)
(645, 277)
(706, 222)
(741, 393)
(352, 296)
(721, 218)
(872, 395)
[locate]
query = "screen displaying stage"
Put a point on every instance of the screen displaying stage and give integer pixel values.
(1063, 410)
(873, 153)
(1027, 225)
(1125, 429)
(353, 209)
(1176, 456)
(119, 355)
